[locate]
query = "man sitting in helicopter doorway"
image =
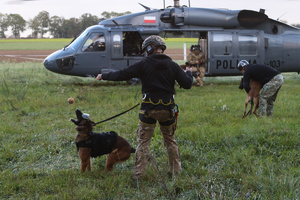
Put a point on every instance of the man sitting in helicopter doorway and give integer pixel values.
(196, 60)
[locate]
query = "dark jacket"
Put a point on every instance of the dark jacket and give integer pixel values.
(260, 73)
(158, 74)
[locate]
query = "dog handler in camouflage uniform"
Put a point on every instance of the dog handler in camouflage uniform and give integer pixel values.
(271, 81)
(158, 74)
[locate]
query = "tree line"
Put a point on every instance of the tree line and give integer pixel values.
(57, 27)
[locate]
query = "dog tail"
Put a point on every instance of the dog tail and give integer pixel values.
(132, 150)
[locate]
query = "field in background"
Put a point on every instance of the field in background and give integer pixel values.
(223, 156)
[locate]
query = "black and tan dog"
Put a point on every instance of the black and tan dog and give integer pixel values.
(251, 97)
(90, 144)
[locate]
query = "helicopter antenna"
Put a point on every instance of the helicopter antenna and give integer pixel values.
(116, 23)
(164, 4)
(281, 16)
(146, 7)
(189, 3)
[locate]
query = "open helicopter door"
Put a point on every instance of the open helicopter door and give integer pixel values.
(227, 48)
(132, 47)
(204, 48)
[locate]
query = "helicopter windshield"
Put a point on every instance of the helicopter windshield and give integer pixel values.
(78, 41)
(95, 42)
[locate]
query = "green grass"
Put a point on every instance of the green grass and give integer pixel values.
(177, 43)
(223, 156)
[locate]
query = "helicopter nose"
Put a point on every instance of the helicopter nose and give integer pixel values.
(50, 62)
(61, 61)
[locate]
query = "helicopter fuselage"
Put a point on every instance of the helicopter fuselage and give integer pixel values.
(225, 36)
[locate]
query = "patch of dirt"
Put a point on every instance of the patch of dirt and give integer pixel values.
(175, 54)
(18, 56)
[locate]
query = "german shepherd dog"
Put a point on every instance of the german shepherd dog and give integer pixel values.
(90, 144)
(252, 96)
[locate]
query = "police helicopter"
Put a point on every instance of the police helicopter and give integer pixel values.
(225, 36)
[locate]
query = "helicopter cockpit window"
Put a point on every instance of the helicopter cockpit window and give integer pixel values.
(248, 44)
(222, 44)
(95, 42)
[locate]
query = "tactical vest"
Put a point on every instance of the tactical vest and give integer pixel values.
(100, 143)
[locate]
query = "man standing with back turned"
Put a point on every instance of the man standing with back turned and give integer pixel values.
(270, 79)
(158, 74)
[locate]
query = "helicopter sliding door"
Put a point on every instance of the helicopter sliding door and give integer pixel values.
(227, 48)
(132, 44)
(132, 47)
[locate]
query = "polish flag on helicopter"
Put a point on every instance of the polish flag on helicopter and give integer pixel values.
(150, 19)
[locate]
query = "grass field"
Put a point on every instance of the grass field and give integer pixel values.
(223, 156)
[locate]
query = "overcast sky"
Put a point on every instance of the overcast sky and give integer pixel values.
(288, 10)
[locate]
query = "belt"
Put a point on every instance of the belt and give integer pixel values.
(153, 99)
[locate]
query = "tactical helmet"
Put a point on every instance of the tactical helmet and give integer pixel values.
(154, 40)
(241, 64)
(195, 47)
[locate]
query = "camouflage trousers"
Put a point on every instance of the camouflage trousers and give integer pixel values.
(145, 134)
(268, 95)
(200, 73)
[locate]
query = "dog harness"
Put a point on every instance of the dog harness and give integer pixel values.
(100, 143)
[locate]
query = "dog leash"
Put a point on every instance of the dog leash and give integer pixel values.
(117, 114)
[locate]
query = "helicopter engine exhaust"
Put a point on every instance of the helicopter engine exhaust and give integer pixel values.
(180, 16)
